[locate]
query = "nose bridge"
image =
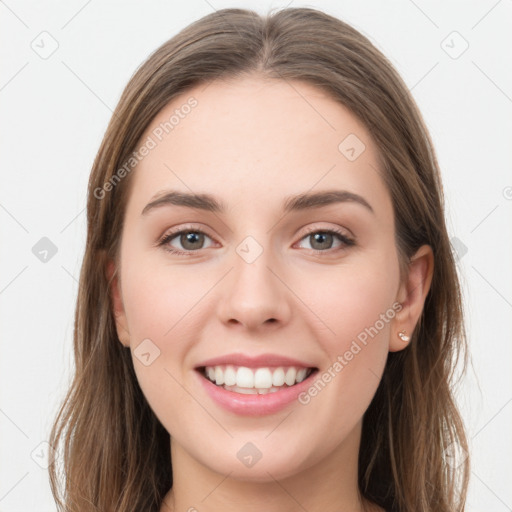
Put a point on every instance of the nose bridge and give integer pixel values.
(253, 294)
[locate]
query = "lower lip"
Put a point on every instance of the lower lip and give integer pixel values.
(254, 405)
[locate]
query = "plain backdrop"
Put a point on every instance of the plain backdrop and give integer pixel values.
(63, 68)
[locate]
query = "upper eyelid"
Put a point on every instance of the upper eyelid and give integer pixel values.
(309, 230)
(186, 228)
(193, 228)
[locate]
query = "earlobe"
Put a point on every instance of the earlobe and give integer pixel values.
(117, 304)
(412, 295)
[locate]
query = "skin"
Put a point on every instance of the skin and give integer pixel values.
(251, 143)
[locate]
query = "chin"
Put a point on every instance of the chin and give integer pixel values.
(273, 466)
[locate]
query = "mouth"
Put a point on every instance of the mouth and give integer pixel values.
(255, 381)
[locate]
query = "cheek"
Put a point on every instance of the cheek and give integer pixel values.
(355, 305)
(160, 305)
(362, 311)
(157, 299)
(353, 302)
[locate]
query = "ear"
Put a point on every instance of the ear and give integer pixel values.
(412, 294)
(117, 303)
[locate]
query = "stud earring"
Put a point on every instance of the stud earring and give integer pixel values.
(403, 336)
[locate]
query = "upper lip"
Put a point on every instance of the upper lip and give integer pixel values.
(259, 361)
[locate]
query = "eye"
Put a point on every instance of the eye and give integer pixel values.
(190, 239)
(321, 240)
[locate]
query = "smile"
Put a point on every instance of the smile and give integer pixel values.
(254, 385)
(253, 381)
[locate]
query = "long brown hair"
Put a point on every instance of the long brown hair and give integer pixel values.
(115, 452)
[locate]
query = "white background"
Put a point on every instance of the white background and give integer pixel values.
(54, 114)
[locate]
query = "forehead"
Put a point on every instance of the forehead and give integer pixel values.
(258, 139)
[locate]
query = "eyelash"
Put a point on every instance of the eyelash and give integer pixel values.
(348, 242)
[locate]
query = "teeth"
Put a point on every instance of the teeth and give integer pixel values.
(278, 377)
(244, 377)
(263, 378)
(251, 391)
(229, 376)
(301, 374)
(289, 378)
(255, 381)
(245, 391)
(219, 376)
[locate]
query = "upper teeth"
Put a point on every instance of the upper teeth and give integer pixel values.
(259, 378)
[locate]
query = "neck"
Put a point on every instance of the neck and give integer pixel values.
(329, 485)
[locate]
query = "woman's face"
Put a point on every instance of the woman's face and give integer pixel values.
(279, 275)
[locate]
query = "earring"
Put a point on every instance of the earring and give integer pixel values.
(403, 336)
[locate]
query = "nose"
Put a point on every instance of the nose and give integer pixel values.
(253, 294)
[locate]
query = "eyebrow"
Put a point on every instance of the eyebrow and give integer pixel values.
(298, 202)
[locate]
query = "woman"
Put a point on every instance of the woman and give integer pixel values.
(224, 356)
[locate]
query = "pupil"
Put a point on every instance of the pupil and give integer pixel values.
(191, 238)
(321, 237)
